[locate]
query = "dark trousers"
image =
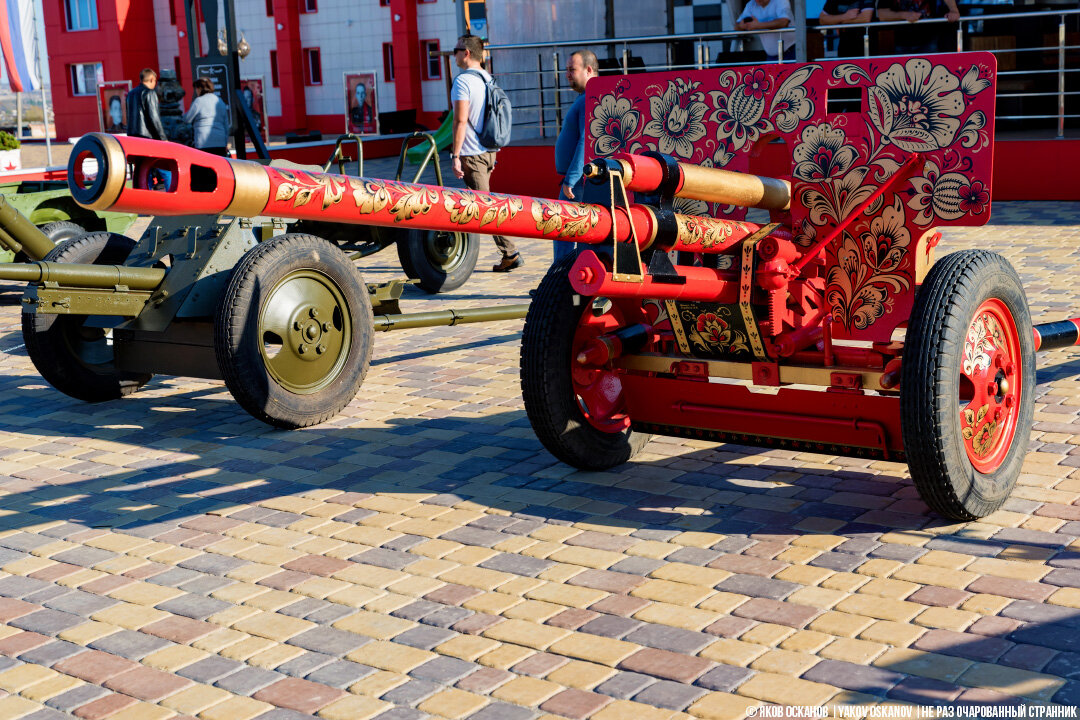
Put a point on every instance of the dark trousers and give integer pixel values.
(477, 170)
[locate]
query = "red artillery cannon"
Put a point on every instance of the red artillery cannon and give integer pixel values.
(828, 328)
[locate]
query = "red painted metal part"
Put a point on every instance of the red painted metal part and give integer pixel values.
(208, 184)
(831, 418)
(591, 276)
(939, 107)
(991, 385)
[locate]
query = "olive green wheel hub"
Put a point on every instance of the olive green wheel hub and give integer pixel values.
(441, 261)
(306, 331)
(445, 250)
(293, 335)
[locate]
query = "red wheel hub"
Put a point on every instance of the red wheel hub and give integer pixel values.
(598, 388)
(991, 385)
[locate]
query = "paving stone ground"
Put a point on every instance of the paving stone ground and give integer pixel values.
(422, 556)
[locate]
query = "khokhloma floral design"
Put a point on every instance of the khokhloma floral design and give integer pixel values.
(677, 118)
(614, 124)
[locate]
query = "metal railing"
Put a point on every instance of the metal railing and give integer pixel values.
(533, 73)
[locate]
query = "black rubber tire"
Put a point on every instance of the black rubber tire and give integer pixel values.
(546, 385)
(236, 331)
(75, 360)
(956, 286)
(412, 249)
(62, 231)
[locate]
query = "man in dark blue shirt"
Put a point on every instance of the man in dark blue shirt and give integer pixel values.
(843, 12)
(570, 145)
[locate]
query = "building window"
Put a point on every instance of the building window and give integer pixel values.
(384, 3)
(85, 77)
(179, 75)
(312, 66)
(269, 8)
(309, 6)
(81, 15)
(273, 68)
(432, 64)
(388, 61)
(172, 14)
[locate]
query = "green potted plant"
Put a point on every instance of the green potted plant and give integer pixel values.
(9, 152)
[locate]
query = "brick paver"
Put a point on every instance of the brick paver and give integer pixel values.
(422, 555)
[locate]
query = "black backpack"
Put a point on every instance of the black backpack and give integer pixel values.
(498, 116)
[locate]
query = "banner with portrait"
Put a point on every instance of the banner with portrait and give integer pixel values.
(361, 105)
(251, 89)
(112, 106)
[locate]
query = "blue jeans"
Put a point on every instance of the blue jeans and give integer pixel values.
(164, 175)
(562, 249)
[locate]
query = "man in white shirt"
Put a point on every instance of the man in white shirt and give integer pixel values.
(769, 15)
(472, 161)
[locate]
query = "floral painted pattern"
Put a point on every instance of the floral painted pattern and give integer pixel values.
(676, 118)
(823, 153)
(614, 125)
(915, 105)
(938, 109)
(712, 334)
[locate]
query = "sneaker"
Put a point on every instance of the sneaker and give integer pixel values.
(508, 263)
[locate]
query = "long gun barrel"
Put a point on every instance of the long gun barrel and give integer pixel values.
(18, 234)
(206, 184)
(647, 173)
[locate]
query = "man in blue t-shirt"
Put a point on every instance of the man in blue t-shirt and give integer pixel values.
(472, 162)
(570, 146)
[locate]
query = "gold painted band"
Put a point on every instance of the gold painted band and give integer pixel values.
(115, 169)
(251, 192)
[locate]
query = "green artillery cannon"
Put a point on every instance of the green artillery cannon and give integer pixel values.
(48, 205)
(287, 322)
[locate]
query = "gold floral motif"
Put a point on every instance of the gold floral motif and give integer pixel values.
(304, 187)
(711, 333)
(563, 220)
(465, 206)
(982, 438)
(370, 196)
(704, 231)
(867, 273)
(415, 201)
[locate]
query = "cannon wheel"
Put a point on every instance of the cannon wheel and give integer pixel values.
(78, 360)
(577, 413)
(62, 231)
(293, 335)
(967, 393)
(440, 260)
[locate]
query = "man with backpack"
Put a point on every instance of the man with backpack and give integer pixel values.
(481, 127)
